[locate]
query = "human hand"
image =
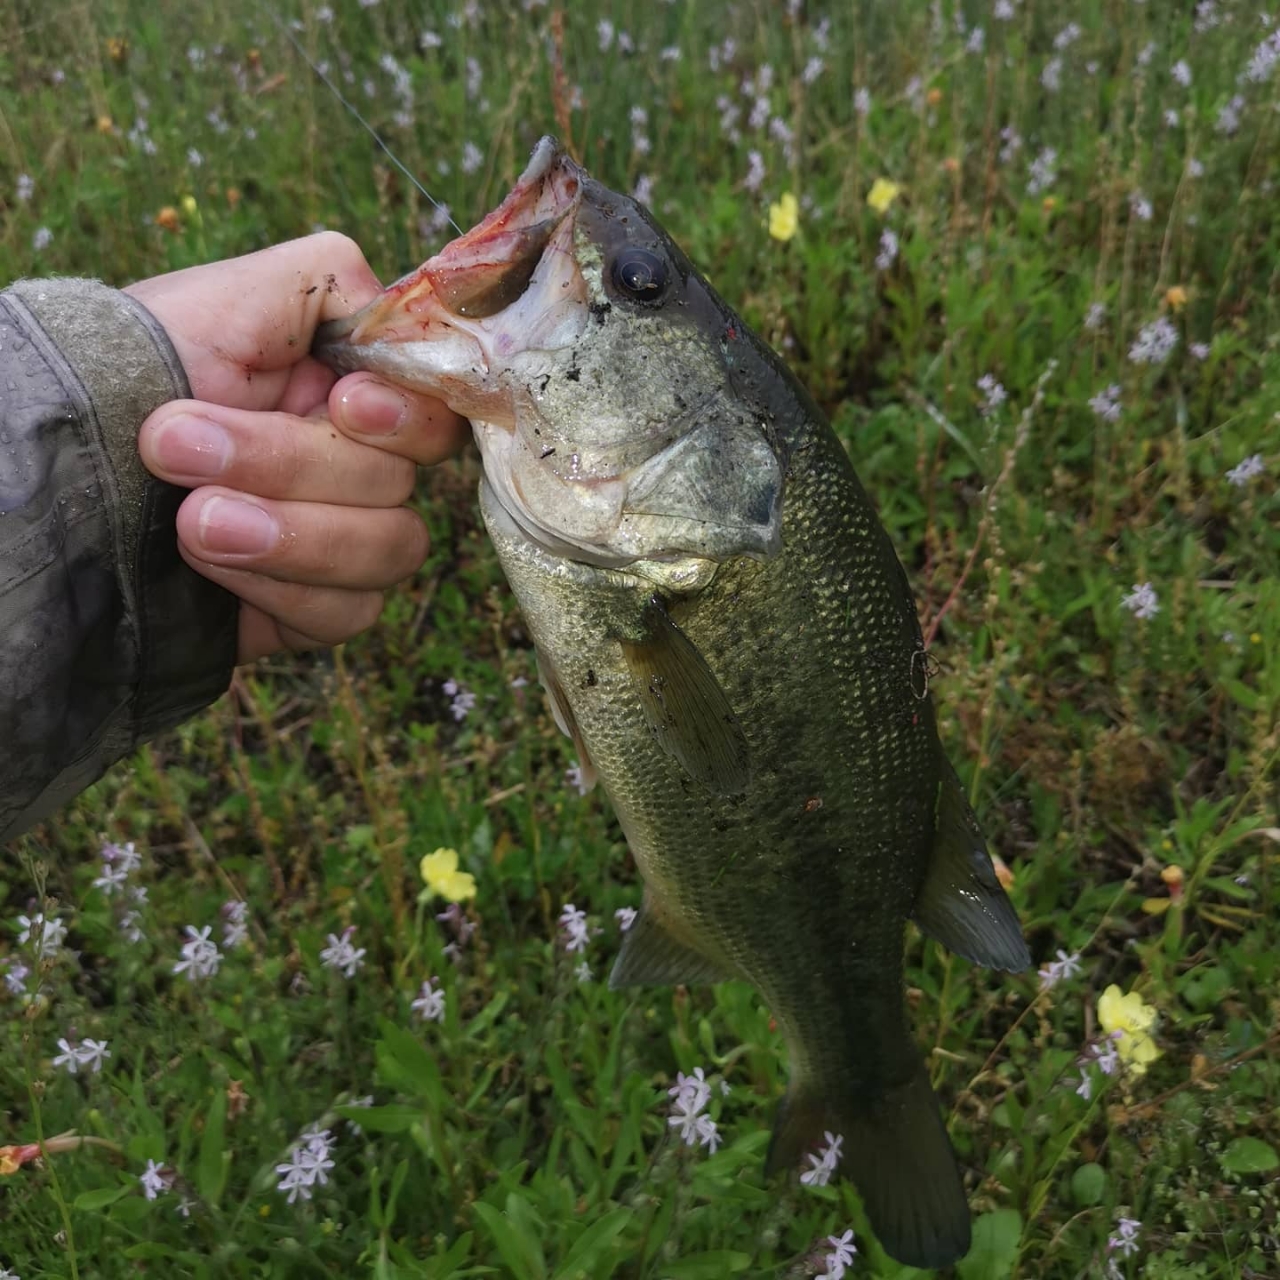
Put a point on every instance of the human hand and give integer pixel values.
(297, 518)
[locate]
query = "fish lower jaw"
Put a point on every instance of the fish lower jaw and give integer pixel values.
(452, 367)
(679, 576)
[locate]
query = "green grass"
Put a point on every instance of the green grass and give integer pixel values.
(526, 1135)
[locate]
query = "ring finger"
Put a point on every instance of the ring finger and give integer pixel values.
(289, 614)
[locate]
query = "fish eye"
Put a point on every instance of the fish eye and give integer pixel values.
(640, 274)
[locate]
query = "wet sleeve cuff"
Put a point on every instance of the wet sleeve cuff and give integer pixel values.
(119, 363)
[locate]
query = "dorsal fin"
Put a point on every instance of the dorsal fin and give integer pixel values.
(652, 956)
(961, 903)
(684, 704)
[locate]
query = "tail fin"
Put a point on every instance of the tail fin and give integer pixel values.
(897, 1152)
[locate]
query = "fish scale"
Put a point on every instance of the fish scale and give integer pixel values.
(726, 633)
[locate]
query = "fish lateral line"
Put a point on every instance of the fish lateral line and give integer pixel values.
(283, 27)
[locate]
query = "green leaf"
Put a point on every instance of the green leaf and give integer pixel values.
(488, 1015)
(1204, 988)
(153, 1250)
(523, 1256)
(659, 1228)
(361, 837)
(1088, 1185)
(1227, 886)
(443, 1267)
(384, 1268)
(397, 1185)
(91, 1201)
(505, 1238)
(995, 1246)
(581, 1260)
(1241, 692)
(394, 1118)
(403, 1061)
(530, 1228)
(211, 1170)
(130, 1210)
(707, 1266)
(482, 1086)
(1250, 1155)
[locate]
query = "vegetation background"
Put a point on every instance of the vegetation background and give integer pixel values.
(1054, 355)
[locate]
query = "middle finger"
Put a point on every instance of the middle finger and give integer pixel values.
(309, 542)
(276, 455)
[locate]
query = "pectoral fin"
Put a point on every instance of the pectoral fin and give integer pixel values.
(685, 706)
(962, 904)
(652, 956)
(562, 714)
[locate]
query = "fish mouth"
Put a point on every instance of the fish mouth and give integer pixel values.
(474, 278)
(500, 325)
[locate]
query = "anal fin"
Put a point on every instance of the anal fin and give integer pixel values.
(653, 956)
(961, 903)
(685, 706)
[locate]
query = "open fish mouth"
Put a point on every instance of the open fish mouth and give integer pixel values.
(476, 277)
(560, 326)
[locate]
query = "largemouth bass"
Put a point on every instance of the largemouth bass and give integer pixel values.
(725, 632)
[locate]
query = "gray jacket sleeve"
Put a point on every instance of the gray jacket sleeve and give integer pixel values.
(106, 636)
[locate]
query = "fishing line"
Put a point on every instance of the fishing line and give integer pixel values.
(373, 133)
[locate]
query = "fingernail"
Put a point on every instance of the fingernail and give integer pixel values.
(237, 528)
(374, 409)
(188, 446)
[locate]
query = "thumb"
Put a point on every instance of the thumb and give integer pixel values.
(240, 325)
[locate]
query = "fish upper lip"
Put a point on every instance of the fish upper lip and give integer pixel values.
(482, 268)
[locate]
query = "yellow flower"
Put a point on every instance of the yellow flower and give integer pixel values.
(1176, 297)
(883, 193)
(441, 875)
(1128, 1020)
(189, 205)
(784, 217)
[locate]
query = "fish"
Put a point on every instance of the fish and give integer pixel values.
(727, 635)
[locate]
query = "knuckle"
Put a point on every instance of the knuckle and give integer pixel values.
(413, 542)
(366, 610)
(339, 249)
(329, 543)
(178, 409)
(307, 604)
(280, 457)
(401, 475)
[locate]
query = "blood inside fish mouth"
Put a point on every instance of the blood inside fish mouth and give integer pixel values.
(486, 288)
(481, 273)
